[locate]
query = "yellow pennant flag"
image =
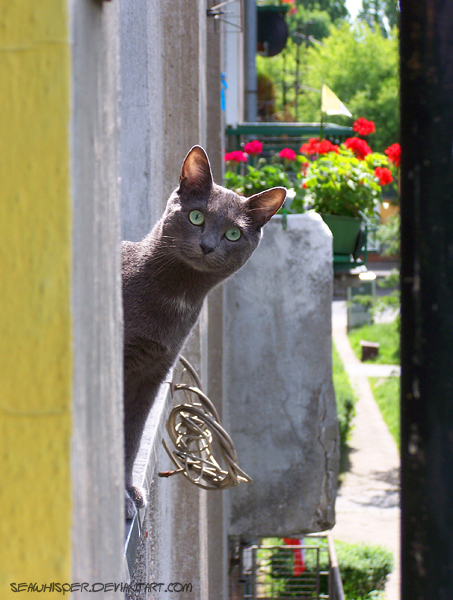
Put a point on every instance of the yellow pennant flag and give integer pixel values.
(330, 104)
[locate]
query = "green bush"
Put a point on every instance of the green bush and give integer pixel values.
(344, 395)
(363, 569)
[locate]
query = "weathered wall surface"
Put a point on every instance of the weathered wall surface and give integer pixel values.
(277, 379)
(143, 185)
(176, 91)
(97, 449)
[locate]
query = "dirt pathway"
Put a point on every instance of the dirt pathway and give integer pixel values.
(368, 503)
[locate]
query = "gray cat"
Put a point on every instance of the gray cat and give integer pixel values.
(205, 234)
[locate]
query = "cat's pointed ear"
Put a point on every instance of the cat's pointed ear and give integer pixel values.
(196, 172)
(264, 205)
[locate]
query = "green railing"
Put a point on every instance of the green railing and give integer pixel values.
(276, 136)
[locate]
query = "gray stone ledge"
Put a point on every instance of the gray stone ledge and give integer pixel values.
(145, 465)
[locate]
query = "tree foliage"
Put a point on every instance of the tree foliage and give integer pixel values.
(313, 24)
(380, 15)
(335, 8)
(357, 63)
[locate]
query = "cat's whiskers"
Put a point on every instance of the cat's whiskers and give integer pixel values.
(168, 237)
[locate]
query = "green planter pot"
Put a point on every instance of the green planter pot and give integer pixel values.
(345, 231)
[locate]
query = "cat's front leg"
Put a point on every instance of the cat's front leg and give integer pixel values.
(136, 409)
(129, 506)
(135, 496)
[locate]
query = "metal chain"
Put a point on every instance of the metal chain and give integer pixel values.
(195, 431)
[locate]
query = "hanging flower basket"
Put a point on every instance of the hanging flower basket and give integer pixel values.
(272, 30)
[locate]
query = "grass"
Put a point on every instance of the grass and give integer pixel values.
(386, 334)
(386, 392)
(344, 395)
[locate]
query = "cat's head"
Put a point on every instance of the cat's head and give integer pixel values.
(211, 228)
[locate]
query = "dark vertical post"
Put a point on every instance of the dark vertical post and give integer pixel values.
(298, 41)
(284, 84)
(427, 299)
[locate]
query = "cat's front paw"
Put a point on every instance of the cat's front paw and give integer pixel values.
(135, 498)
(129, 506)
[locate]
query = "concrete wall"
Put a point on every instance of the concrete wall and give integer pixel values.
(97, 449)
(278, 382)
(144, 187)
(174, 104)
(212, 373)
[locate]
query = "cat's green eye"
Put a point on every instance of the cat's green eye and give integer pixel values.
(233, 234)
(196, 217)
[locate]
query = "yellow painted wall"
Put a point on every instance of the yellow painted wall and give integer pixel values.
(35, 320)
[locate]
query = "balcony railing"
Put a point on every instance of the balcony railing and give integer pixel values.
(272, 572)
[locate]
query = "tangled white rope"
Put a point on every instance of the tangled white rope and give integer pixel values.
(194, 428)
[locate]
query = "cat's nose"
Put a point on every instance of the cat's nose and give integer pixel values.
(207, 247)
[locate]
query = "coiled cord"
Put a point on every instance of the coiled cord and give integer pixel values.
(195, 429)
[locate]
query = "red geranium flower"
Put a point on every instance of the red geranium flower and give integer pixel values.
(325, 146)
(315, 146)
(253, 148)
(235, 156)
(310, 148)
(364, 127)
(394, 154)
(358, 146)
(383, 174)
(288, 154)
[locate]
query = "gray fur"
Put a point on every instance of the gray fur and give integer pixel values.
(166, 278)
